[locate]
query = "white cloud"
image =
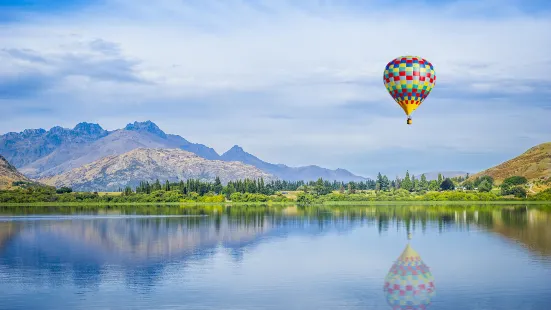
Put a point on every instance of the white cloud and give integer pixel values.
(245, 65)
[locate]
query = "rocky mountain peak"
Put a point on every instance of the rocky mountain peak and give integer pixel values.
(89, 129)
(33, 132)
(236, 149)
(147, 126)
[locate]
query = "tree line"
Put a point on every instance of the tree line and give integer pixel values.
(320, 187)
(258, 190)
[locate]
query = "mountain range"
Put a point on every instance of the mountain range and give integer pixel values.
(43, 154)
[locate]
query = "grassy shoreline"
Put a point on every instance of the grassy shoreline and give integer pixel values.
(326, 203)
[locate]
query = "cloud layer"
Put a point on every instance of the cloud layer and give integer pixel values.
(294, 84)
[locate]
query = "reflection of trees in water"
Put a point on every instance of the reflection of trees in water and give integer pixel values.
(141, 248)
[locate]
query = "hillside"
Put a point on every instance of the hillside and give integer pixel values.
(534, 164)
(38, 153)
(118, 171)
(8, 174)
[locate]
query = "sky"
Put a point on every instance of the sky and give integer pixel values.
(293, 82)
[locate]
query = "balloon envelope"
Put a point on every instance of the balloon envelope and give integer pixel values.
(409, 283)
(409, 80)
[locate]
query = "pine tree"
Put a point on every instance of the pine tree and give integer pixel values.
(385, 184)
(424, 184)
(414, 183)
(217, 188)
(406, 183)
(157, 185)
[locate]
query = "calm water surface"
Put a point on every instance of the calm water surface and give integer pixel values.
(259, 257)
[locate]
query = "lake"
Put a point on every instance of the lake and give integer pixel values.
(276, 257)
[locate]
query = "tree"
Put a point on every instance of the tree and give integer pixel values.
(167, 186)
(379, 185)
(406, 183)
(414, 183)
(385, 183)
(156, 186)
(398, 183)
(485, 186)
(423, 184)
(320, 188)
(468, 185)
(510, 186)
(217, 188)
(447, 185)
(63, 190)
(341, 190)
(483, 178)
(515, 180)
(433, 185)
(440, 179)
(127, 191)
(351, 188)
(518, 191)
(229, 189)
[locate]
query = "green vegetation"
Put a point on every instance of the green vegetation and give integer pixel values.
(514, 186)
(543, 196)
(410, 188)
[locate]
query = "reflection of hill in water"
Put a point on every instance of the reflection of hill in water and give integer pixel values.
(529, 226)
(533, 231)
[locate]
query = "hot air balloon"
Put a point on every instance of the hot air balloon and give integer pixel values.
(409, 283)
(409, 80)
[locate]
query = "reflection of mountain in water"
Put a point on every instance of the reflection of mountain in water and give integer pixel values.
(141, 248)
(409, 284)
(134, 240)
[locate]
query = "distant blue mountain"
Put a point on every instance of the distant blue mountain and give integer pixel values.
(306, 173)
(41, 153)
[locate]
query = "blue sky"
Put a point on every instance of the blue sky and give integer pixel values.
(294, 82)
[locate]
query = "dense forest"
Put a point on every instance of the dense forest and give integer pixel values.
(380, 189)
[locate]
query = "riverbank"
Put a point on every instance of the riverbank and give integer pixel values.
(269, 203)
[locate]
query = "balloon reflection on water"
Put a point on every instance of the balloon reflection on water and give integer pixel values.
(409, 283)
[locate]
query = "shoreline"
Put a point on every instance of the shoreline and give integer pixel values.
(331, 203)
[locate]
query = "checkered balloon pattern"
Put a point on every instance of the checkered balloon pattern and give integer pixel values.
(409, 283)
(409, 80)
